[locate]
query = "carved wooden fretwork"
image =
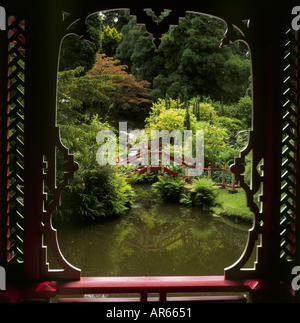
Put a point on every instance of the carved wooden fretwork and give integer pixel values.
(15, 135)
(50, 178)
(51, 189)
(240, 31)
(236, 31)
(289, 148)
(155, 23)
(257, 231)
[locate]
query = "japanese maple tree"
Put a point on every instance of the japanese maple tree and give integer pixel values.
(129, 94)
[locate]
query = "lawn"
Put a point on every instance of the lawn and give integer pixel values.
(232, 205)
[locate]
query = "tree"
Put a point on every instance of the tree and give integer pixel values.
(171, 118)
(129, 94)
(105, 85)
(137, 51)
(110, 40)
(75, 91)
(195, 61)
(77, 52)
(245, 110)
(189, 58)
(115, 18)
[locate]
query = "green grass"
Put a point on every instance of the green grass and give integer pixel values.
(232, 205)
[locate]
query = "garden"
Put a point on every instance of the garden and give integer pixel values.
(188, 83)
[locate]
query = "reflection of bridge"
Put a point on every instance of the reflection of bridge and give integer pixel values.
(160, 239)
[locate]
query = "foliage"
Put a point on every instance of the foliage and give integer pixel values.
(227, 157)
(137, 51)
(74, 89)
(241, 111)
(189, 58)
(171, 118)
(110, 39)
(206, 111)
(130, 94)
(115, 18)
(168, 188)
(213, 143)
(203, 195)
(77, 52)
(143, 178)
(232, 125)
(81, 140)
(245, 110)
(105, 84)
(96, 191)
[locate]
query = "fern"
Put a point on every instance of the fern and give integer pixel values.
(168, 188)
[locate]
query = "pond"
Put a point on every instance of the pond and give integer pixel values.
(153, 239)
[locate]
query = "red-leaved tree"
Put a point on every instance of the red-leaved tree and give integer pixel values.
(129, 94)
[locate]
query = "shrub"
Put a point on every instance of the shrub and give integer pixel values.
(143, 178)
(95, 191)
(96, 194)
(206, 111)
(171, 118)
(168, 188)
(232, 124)
(203, 194)
(214, 143)
(245, 110)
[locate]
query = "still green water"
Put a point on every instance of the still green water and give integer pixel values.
(153, 239)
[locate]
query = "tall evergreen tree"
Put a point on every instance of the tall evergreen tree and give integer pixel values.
(188, 58)
(137, 51)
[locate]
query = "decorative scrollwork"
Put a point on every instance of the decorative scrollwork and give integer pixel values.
(49, 177)
(257, 179)
(79, 29)
(235, 31)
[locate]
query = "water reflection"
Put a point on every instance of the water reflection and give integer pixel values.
(168, 240)
(154, 240)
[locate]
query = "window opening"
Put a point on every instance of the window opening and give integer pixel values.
(149, 235)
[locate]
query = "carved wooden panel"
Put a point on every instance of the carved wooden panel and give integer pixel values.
(15, 133)
(289, 147)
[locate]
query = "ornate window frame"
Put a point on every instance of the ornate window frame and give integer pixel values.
(266, 40)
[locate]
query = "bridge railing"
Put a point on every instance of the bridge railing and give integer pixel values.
(188, 170)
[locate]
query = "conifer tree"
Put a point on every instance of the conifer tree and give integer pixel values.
(110, 39)
(189, 57)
